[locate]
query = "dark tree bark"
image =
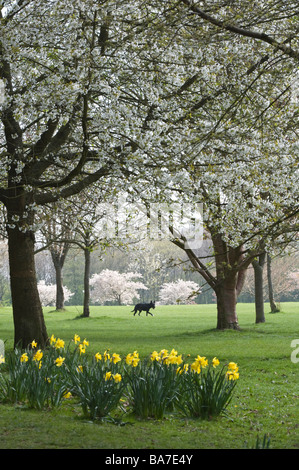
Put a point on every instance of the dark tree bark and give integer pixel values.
(273, 306)
(228, 281)
(58, 258)
(86, 283)
(258, 266)
(27, 310)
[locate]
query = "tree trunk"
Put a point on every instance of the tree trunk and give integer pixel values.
(86, 283)
(229, 279)
(229, 282)
(273, 306)
(59, 287)
(58, 258)
(258, 266)
(27, 310)
(226, 295)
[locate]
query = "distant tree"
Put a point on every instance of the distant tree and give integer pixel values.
(179, 292)
(47, 293)
(116, 287)
(258, 267)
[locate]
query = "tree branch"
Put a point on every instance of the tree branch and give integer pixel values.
(243, 32)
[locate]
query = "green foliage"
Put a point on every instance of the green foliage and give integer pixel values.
(98, 391)
(39, 383)
(153, 389)
(206, 395)
(152, 386)
(262, 444)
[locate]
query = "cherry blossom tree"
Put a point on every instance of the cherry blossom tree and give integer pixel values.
(179, 292)
(145, 92)
(47, 293)
(117, 287)
(74, 107)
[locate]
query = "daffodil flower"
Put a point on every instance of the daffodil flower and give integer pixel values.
(115, 358)
(24, 357)
(77, 339)
(106, 356)
(215, 362)
(59, 361)
(98, 356)
(38, 355)
(52, 339)
(117, 378)
(59, 344)
(132, 359)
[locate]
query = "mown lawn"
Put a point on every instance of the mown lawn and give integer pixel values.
(265, 399)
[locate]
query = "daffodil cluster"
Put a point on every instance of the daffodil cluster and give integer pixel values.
(164, 381)
(232, 372)
(166, 357)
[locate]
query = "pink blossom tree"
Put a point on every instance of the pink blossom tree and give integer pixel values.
(116, 287)
(179, 292)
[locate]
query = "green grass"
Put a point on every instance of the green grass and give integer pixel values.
(265, 399)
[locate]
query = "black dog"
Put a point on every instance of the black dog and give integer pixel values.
(146, 307)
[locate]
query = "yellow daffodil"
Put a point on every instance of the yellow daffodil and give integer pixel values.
(115, 358)
(77, 339)
(202, 361)
(52, 339)
(85, 342)
(79, 369)
(67, 395)
(108, 376)
(59, 344)
(33, 344)
(2, 359)
(24, 357)
(106, 356)
(133, 359)
(195, 367)
(232, 372)
(81, 349)
(163, 353)
(117, 378)
(98, 356)
(232, 375)
(155, 356)
(215, 362)
(38, 355)
(59, 361)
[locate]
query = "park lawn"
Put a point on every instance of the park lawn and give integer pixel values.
(265, 399)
